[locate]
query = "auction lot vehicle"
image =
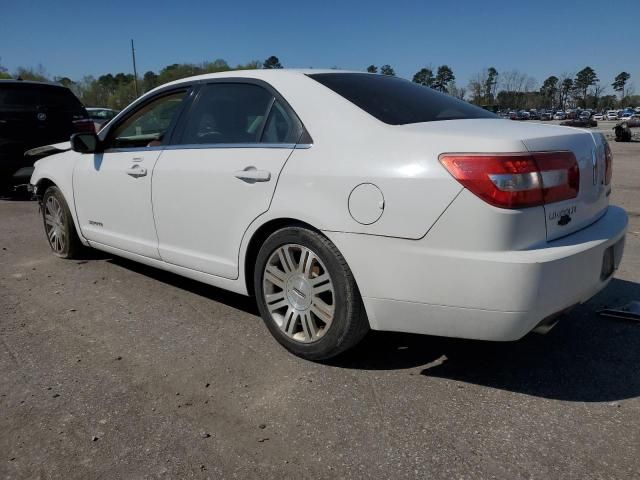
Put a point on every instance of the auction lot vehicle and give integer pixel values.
(101, 116)
(344, 201)
(612, 115)
(34, 114)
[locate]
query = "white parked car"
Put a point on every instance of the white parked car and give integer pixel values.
(598, 116)
(344, 201)
(612, 115)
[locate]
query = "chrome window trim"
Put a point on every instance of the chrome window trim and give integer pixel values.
(202, 146)
(134, 149)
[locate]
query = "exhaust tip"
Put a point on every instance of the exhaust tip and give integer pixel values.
(551, 321)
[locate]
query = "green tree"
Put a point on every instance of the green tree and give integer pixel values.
(178, 71)
(37, 74)
(608, 102)
(252, 65)
(444, 77)
(490, 85)
(372, 69)
(585, 78)
(387, 70)
(566, 87)
(70, 84)
(218, 65)
(424, 76)
(549, 90)
(149, 81)
(457, 92)
(272, 62)
(4, 74)
(620, 82)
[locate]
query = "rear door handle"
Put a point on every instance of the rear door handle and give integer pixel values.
(252, 175)
(136, 171)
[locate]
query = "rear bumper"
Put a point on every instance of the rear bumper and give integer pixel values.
(480, 295)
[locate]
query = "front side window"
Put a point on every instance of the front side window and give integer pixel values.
(148, 126)
(229, 113)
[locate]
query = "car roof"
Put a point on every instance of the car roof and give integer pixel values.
(13, 81)
(265, 74)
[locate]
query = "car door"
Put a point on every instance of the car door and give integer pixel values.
(221, 173)
(112, 188)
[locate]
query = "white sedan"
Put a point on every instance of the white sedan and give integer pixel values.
(344, 202)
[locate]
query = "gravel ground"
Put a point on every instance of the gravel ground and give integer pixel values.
(109, 369)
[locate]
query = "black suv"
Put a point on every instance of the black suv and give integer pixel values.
(33, 114)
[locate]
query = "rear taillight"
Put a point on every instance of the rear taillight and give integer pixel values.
(516, 180)
(608, 164)
(84, 125)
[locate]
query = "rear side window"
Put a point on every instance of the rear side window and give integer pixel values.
(280, 127)
(396, 101)
(228, 113)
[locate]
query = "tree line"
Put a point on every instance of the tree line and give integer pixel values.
(513, 89)
(119, 90)
(488, 88)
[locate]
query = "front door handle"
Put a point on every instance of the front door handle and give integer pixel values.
(253, 175)
(136, 171)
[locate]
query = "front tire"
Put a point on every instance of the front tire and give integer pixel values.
(58, 225)
(307, 295)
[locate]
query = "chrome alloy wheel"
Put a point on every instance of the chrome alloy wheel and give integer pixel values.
(299, 293)
(54, 224)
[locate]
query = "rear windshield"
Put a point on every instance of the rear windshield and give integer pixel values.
(396, 101)
(31, 96)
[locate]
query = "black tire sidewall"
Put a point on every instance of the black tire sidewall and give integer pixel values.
(347, 300)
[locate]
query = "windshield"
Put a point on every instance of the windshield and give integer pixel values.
(396, 101)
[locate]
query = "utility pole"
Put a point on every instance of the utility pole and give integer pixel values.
(135, 72)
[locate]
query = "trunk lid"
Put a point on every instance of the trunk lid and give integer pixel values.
(568, 216)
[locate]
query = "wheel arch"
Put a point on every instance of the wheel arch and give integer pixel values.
(257, 239)
(42, 184)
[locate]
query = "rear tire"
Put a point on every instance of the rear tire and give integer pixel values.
(307, 295)
(58, 225)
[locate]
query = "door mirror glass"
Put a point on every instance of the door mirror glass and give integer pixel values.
(84, 142)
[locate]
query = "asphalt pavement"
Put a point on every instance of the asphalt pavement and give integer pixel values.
(110, 369)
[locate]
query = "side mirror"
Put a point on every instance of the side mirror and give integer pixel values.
(84, 142)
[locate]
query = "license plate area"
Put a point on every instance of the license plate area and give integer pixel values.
(608, 263)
